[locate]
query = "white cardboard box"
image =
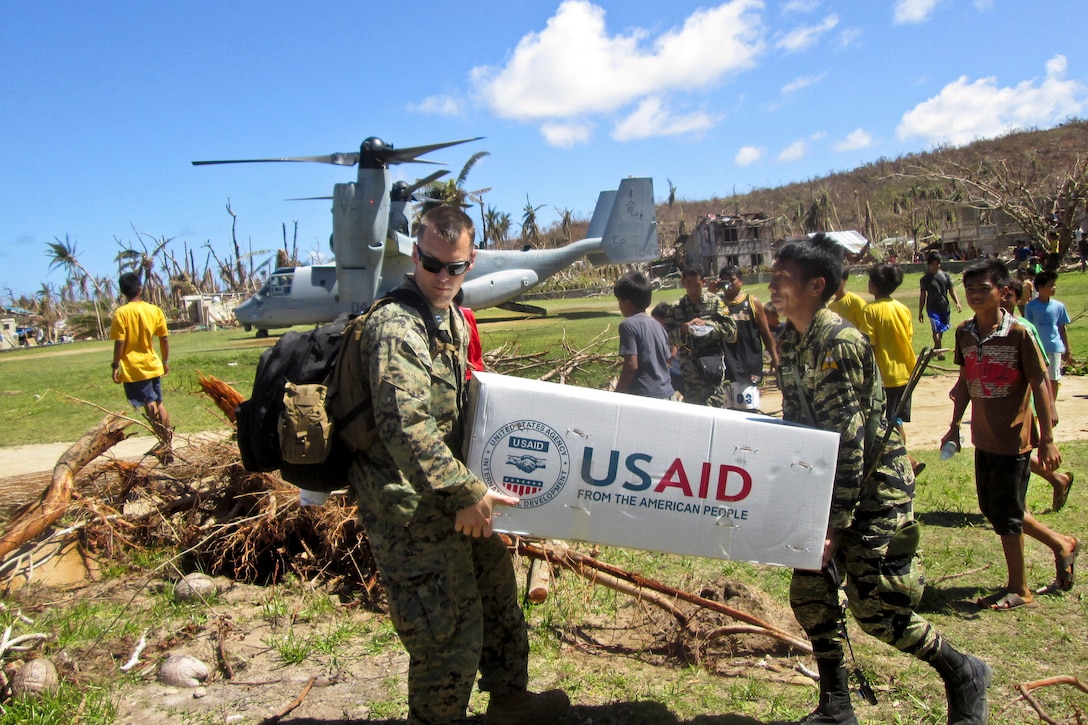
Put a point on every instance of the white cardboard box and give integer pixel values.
(628, 471)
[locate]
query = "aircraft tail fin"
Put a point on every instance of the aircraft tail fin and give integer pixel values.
(630, 233)
(599, 220)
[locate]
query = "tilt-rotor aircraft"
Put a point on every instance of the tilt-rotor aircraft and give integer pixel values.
(373, 250)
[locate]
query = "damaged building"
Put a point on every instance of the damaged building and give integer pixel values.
(742, 240)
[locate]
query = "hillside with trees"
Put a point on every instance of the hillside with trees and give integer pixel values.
(1037, 178)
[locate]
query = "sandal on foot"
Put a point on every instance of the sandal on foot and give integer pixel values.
(990, 599)
(1012, 600)
(1061, 495)
(1066, 572)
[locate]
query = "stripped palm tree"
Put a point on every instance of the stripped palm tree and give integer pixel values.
(63, 254)
(498, 225)
(530, 230)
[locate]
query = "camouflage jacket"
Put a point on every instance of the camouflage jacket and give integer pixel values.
(839, 378)
(711, 311)
(417, 395)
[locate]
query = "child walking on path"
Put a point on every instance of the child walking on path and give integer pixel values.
(1059, 482)
(644, 344)
(1050, 318)
(1001, 372)
(135, 364)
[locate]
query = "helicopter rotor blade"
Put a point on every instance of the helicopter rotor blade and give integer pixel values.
(307, 198)
(412, 153)
(337, 159)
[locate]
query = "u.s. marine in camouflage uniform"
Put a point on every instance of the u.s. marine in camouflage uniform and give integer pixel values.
(829, 380)
(448, 580)
(700, 306)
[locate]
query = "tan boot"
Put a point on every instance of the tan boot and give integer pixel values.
(526, 708)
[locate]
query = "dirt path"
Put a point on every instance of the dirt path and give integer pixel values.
(931, 410)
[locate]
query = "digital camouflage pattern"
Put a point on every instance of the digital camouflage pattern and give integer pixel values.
(452, 599)
(453, 602)
(417, 413)
(839, 378)
(697, 389)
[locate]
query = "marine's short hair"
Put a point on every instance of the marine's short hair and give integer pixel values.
(885, 278)
(994, 269)
(634, 287)
(817, 256)
(449, 222)
(130, 284)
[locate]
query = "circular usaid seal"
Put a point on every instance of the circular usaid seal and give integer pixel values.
(526, 458)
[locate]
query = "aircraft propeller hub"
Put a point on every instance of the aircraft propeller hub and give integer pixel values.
(374, 153)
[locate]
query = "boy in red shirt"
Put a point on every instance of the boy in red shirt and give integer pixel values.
(1001, 373)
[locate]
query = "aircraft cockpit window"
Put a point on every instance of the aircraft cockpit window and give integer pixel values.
(279, 285)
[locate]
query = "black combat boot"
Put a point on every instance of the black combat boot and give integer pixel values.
(966, 679)
(835, 707)
(526, 708)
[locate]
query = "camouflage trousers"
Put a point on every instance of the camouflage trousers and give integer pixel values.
(700, 392)
(882, 590)
(453, 602)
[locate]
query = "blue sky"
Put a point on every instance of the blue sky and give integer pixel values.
(104, 105)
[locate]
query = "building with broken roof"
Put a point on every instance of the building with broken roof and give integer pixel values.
(742, 240)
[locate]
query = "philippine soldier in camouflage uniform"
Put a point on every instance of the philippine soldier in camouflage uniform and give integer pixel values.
(829, 379)
(700, 307)
(449, 580)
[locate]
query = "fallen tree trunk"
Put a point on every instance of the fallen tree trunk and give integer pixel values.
(51, 505)
(591, 569)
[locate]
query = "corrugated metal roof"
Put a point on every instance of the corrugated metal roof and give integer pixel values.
(852, 241)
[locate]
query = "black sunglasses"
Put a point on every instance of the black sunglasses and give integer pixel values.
(434, 266)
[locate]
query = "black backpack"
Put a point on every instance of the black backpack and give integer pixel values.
(304, 358)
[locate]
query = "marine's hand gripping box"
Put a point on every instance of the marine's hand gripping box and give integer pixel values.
(621, 470)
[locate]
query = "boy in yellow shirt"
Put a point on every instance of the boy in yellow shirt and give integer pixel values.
(889, 326)
(135, 364)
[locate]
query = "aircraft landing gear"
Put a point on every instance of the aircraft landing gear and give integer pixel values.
(262, 332)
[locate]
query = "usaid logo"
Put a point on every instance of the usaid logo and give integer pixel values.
(528, 459)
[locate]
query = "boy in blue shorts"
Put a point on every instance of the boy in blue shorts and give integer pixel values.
(135, 364)
(644, 344)
(1050, 318)
(936, 287)
(1001, 373)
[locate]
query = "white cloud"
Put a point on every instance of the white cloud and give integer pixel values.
(914, 11)
(794, 152)
(984, 5)
(566, 135)
(575, 67)
(859, 138)
(438, 105)
(849, 37)
(806, 36)
(799, 84)
(964, 111)
(748, 155)
(651, 118)
(795, 7)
